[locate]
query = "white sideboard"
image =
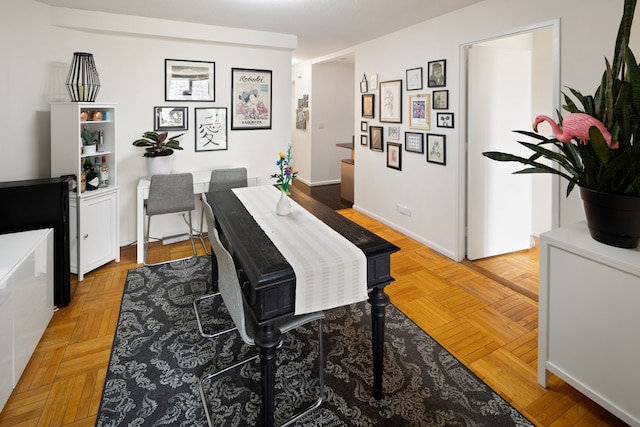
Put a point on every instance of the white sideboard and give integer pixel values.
(589, 319)
(26, 300)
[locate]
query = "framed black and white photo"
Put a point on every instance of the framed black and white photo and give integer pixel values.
(444, 120)
(393, 133)
(391, 101)
(414, 142)
(368, 107)
(211, 128)
(414, 79)
(436, 149)
(420, 111)
(189, 80)
(364, 126)
(394, 156)
(440, 99)
(170, 118)
(251, 95)
(376, 138)
(363, 140)
(437, 73)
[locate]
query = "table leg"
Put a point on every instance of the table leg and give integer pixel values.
(267, 341)
(379, 301)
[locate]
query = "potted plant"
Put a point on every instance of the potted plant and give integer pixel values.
(284, 178)
(597, 146)
(158, 149)
(89, 140)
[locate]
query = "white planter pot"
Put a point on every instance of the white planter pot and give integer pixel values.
(158, 165)
(89, 149)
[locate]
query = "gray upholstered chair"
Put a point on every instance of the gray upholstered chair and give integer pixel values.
(169, 194)
(222, 179)
(229, 288)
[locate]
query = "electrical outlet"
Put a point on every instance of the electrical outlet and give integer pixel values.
(404, 210)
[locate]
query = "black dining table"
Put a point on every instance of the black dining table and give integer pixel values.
(269, 283)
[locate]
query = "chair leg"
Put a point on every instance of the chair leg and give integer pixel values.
(201, 234)
(199, 319)
(193, 242)
(146, 240)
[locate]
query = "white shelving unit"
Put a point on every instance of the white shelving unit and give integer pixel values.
(588, 318)
(93, 214)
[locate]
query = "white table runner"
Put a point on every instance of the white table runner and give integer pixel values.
(330, 271)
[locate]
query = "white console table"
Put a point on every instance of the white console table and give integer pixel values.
(589, 319)
(26, 300)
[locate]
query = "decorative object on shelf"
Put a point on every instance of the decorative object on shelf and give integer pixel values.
(283, 179)
(89, 140)
(597, 142)
(158, 151)
(189, 80)
(83, 82)
(211, 129)
(391, 101)
(251, 96)
(84, 115)
(96, 116)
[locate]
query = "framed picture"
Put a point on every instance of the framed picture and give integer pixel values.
(420, 111)
(394, 156)
(436, 149)
(374, 81)
(211, 128)
(414, 142)
(170, 118)
(364, 87)
(444, 120)
(375, 138)
(440, 99)
(391, 101)
(437, 73)
(367, 106)
(364, 126)
(363, 140)
(414, 79)
(251, 94)
(393, 133)
(301, 121)
(189, 80)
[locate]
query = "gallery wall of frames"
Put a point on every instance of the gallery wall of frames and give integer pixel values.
(423, 102)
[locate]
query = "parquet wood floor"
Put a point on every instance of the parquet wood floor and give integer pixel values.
(490, 327)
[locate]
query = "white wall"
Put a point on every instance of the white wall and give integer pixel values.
(301, 139)
(129, 53)
(432, 191)
(332, 122)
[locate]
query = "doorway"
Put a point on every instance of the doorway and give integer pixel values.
(508, 80)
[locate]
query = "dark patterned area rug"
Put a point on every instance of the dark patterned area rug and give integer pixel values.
(158, 357)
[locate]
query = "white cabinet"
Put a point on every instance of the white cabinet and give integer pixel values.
(589, 317)
(26, 300)
(93, 222)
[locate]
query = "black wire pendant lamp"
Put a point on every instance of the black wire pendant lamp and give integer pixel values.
(83, 83)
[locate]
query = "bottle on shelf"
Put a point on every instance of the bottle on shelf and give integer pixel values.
(104, 172)
(86, 168)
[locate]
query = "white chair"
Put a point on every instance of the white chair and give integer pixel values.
(169, 194)
(222, 179)
(229, 287)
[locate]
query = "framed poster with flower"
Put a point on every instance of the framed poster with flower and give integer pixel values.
(251, 94)
(211, 129)
(420, 111)
(391, 101)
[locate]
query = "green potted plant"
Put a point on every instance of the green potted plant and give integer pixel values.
(596, 146)
(89, 140)
(158, 149)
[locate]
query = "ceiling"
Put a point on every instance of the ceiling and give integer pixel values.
(323, 27)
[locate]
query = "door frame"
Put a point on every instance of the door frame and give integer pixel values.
(554, 25)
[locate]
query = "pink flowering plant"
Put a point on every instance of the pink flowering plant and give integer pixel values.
(287, 171)
(597, 145)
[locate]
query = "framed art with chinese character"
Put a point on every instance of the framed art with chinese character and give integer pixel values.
(251, 95)
(211, 129)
